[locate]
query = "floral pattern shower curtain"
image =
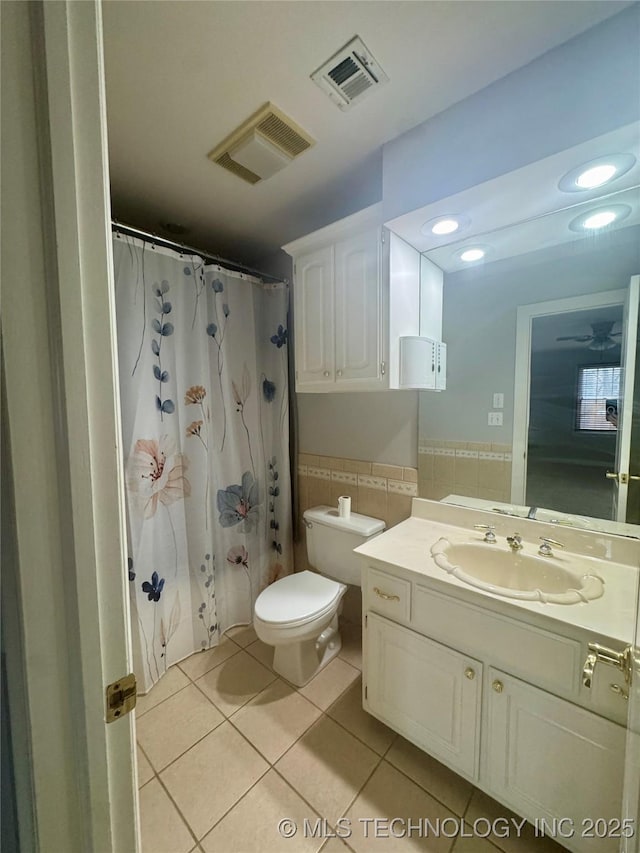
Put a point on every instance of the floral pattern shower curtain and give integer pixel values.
(204, 398)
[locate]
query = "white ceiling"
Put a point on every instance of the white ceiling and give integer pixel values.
(182, 75)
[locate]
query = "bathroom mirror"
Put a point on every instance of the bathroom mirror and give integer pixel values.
(536, 346)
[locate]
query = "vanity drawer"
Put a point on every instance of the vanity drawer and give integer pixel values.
(388, 595)
(552, 661)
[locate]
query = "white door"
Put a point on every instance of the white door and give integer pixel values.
(67, 558)
(314, 320)
(358, 320)
(627, 470)
(424, 690)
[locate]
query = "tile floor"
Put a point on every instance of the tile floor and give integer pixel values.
(227, 749)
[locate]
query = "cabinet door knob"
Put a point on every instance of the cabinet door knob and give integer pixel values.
(338, 372)
(326, 373)
(498, 686)
(470, 673)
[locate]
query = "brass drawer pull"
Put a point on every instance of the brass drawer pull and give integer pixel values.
(498, 686)
(385, 595)
(470, 673)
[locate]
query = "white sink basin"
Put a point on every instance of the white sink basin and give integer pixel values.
(518, 574)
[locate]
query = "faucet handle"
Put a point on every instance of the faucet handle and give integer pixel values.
(545, 550)
(489, 535)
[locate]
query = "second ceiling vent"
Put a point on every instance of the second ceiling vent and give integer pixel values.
(350, 75)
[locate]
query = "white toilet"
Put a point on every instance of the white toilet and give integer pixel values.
(298, 614)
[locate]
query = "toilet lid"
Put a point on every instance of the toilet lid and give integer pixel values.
(296, 598)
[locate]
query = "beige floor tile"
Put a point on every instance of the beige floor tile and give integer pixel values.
(170, 728)
(473, 845)
(242, 635)
(202, 662)
(161, 827)
(327, 767)
(445, 785)
(172, 681)
(262, 652)
(516, 841)
(234, 682)
(351, 650)
(329, 683)
(252, 825)
(335, 845)
(274, 719)
(389, 794)
(145, 770)
(211, 777)
(348, 711)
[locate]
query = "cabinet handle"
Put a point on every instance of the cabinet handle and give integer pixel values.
(338, 373)
(385, 595)
(326, 373)
(498, 686)
(470, 673)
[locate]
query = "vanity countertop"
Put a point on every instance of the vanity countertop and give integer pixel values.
(615, 559)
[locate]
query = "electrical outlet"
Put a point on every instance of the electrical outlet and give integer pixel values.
(495, 419)
(498, 401)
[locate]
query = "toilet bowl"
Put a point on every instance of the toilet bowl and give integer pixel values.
(298, 614)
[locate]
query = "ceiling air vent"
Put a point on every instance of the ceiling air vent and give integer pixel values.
(350, 75)
(267, 142)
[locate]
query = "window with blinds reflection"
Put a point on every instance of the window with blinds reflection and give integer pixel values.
(597, 403)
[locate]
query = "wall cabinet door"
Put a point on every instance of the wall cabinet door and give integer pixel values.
(358, 309)
(547, 758)
(314, 313)
(424, 690)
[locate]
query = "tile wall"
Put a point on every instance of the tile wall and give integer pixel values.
(472, 468)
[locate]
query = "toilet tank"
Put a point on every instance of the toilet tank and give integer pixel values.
(331, 540)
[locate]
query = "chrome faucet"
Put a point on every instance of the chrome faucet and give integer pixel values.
(532, 512)
(515, 542)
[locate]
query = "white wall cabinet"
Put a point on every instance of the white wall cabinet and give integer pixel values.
(356, 292)
(499, 701)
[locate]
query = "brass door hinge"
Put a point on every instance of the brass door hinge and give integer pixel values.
(121, 697)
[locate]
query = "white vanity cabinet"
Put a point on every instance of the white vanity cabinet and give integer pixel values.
(425, 690)
(356, 292)
(498, 700)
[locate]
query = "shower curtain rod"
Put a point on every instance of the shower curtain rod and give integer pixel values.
(121, 227)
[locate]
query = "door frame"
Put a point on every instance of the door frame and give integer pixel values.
(522, 388)
(60, 361)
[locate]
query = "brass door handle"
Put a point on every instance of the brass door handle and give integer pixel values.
(622, 477)
(601, 654)
(470, 673)
(385, 595)
(498, 686)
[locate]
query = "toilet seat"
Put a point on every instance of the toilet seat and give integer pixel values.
(297, 599)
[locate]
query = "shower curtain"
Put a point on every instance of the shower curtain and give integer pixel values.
(204, 398)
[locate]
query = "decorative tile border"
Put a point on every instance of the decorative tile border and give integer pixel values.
(302, 470)
(368, 482)
(401, 487)
(319, 473)
(344, 477)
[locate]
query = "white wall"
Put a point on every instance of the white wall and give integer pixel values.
(479, 325)
(575, 92)
(374, 426)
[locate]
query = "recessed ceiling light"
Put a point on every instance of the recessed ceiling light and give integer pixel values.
(593, 220)
(474, 253)
(446, 224)
(596, 173)
(600, 219)
(596, 176)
